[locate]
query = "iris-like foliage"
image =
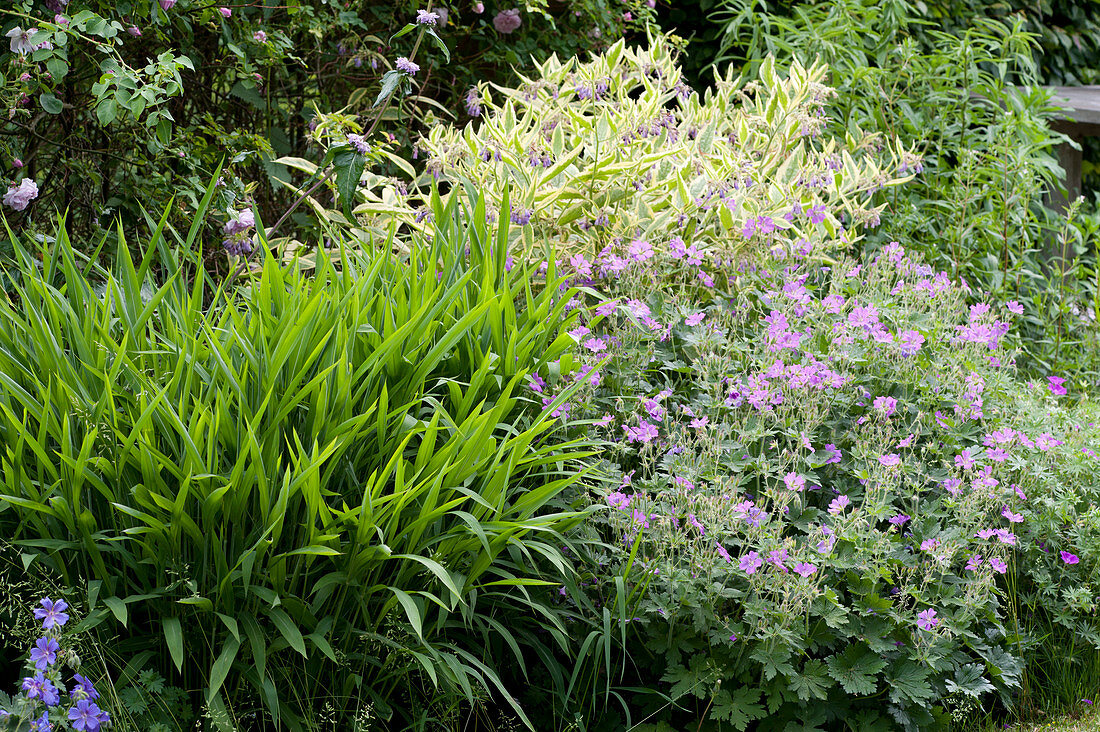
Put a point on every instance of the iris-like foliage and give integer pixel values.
(305, 492)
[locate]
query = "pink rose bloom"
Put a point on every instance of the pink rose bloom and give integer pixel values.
(17, 163)
(479, 8)
(167, 4)
(259, 36)
(134, 31)
(507, 21)
(19, 196)
(226, 12)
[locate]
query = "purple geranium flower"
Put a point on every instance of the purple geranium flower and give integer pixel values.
(39, 687)
(926, 619)
(794, 481)
(838, 504)
(1070, 558)
(804, 569)
(84, 686)
(751, 562)
(44, 652)
(886, 405)
(52, 614)
(86, 716)
(643, 433)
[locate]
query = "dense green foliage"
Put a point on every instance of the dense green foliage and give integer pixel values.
(561, 394)
(733, 389)
(964, 98)
(593, 154)
(129, 103)
(299, 479)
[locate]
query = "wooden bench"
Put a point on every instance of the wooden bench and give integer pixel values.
(1081, 120)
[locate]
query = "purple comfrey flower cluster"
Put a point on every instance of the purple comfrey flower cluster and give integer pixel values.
(406, 66)
(238, 241)
(473, 102)
(425, 17)
(521, 216)
(591, 91)
(359, 143)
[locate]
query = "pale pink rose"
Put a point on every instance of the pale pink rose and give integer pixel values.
(19, 196)
(507, 21)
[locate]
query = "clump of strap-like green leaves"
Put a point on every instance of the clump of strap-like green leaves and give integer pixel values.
(304, 493)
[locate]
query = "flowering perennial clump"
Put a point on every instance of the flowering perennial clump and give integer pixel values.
(45, 703)
(819, 461)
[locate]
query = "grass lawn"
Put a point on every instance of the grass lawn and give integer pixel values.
(1082, 721)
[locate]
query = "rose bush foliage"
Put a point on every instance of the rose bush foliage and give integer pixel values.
(109, 107)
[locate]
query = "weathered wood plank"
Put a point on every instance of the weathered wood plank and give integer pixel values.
(1083, 103)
